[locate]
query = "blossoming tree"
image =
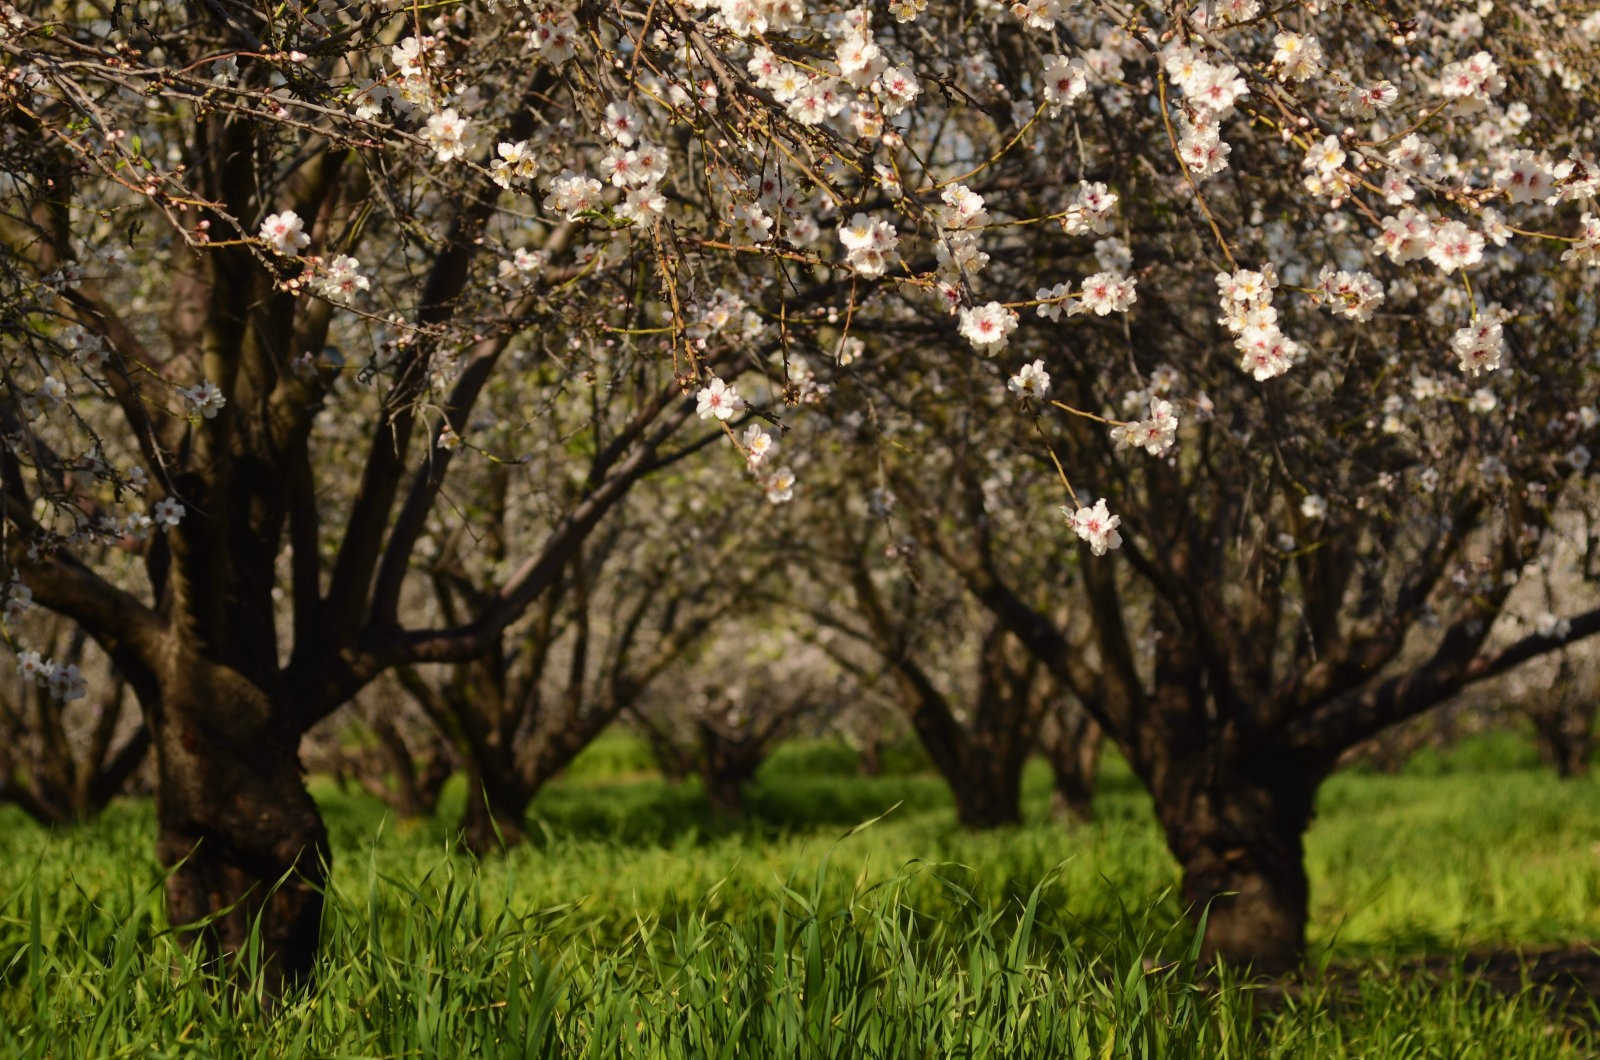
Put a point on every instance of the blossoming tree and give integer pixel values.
(263, 260)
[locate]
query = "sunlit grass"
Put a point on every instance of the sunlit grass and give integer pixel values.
(638, 923)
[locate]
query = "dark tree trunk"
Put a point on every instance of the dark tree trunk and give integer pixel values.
(496, 814)
(725, 791)
(1564, 733)
(418, 778)
(869, 758)
(988, 792)
(727, 761)
(1071, 743)
(1239, 841)
(239, 835)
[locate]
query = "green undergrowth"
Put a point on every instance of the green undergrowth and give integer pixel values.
(843, 916)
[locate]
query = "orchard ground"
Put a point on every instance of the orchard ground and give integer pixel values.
(638, 923)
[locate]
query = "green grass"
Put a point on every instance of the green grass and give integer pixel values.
(637, 923)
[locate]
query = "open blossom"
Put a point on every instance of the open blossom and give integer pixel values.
(966, 208)
(1314, 506)
(284, 232)
(860, 59)
(1246, 288)
(412, 55)
(167, 512)
(1266, 352)
(643, 206)
(622, 122)
(1050, 300)
(897, 89)
(1104, 293)
(340, 278)
(206, 398)
(1037, 14)
(1095, 525)
(446, 131)
(758, 445)
(779, 486)
(819, 100)
(987, 326)
(717, 400)
(1525, 177)
(1031, 381)
(1325, 156)
(516, 161)
(1406, 236)
(1064, 80)
(1201, 147)
(1364, 102)
(557, 36)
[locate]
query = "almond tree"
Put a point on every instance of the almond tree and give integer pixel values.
(658, 578)
(394, 754)
(262, 260)
(974, 697)
(719, 717)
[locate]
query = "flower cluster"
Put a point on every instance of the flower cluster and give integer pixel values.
(64, 681)
(1096, 526)
(1212, 90)
(1481, 345)
(1349, 294)
(339, 278)
(18, 599)
(1247, 311)
(868, 244)
(447, 133)
(572, 194)
(961, 219)
(1155, 433)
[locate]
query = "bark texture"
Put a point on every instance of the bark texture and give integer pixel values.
(240, 837)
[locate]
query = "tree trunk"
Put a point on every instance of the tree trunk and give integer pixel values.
(1071, 743)
(239, 835)
(495, 818)
(725, 791)
(1239, 841)
(1565, 736)
(870, 758)
(988, 792)
(419, 777)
